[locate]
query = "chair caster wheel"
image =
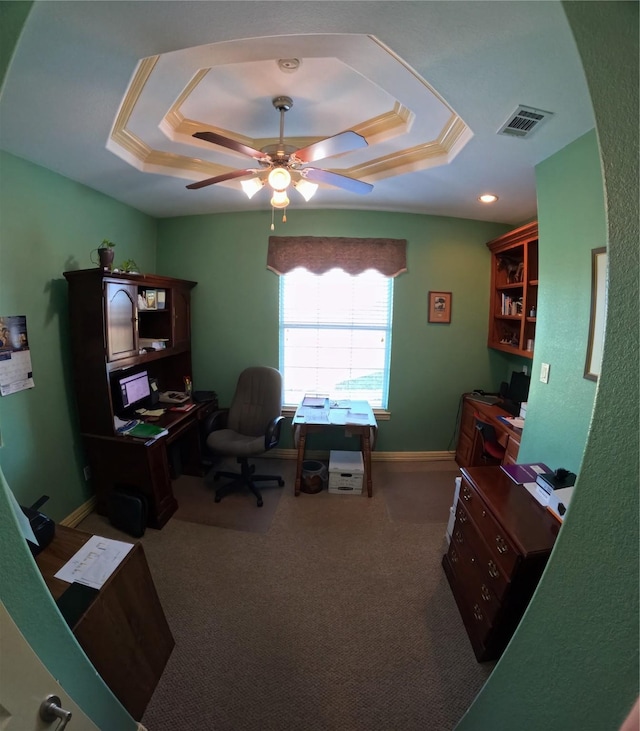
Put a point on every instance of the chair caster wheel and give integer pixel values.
(217, 499)
(280, 483)
(259, 503)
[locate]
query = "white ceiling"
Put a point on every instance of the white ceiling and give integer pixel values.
(75, 86)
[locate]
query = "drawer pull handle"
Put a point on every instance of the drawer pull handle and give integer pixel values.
(485, 593)
(493, 570)
(484, 513)
(458, 536)
(477, 612)
(466, 494)
(462, 517)
(501, 544)
(454, 556)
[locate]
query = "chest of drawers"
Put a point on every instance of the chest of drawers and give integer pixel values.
(500, 544)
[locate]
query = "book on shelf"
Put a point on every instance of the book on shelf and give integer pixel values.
(524, 473)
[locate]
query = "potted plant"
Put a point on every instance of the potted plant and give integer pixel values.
(105, 255)
(129, 266)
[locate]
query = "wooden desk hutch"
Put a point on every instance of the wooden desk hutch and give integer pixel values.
(106, 328)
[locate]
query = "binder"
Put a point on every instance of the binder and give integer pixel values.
(144, 430)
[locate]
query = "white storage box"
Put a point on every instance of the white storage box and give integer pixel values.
(452, 509)
(346, 472)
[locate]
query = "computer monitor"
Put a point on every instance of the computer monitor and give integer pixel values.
(518, 387)
(132, 390)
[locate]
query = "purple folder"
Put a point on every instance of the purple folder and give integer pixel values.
(521, 473)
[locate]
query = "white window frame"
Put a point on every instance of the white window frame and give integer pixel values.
(355, 321)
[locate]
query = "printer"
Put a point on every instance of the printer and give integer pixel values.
(555, 489)
(42, 526)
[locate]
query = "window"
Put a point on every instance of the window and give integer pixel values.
(335, 335)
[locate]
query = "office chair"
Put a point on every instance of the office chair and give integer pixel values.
(492, 450)
(250, 427)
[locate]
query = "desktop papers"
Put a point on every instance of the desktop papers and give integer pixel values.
(315, 402)
(354, 417)
(336, 417)
(516, 421)
(94, 563)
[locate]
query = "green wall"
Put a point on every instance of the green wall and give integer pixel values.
(573, 663)
(48, 225)
(235, 312)
(571, 224)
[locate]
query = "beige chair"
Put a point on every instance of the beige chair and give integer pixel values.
(250, 427)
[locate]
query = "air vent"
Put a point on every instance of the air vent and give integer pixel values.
(523, 122)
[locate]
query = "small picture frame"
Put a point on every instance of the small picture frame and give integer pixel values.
(440, 307)
(598, 312)
(151, 299)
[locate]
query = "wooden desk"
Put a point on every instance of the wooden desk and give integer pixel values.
(123, 631)
(120, 462)
(367, 432)
(469, 448)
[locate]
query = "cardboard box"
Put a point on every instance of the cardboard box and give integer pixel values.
(346, 473)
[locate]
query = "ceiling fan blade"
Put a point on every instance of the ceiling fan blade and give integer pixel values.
(340, 181)
(230, 144)
(221, 178)
(336, 145)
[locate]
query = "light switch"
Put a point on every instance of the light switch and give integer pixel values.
(544, 373)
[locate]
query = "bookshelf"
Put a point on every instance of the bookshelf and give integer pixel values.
(514, 291)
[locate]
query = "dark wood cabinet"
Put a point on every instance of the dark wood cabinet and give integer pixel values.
(123, 630)
(106, 326)
(113, 317)
(499, 547)
(514, 291)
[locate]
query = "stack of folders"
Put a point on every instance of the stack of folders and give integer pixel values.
(144, 430)
(137, 428)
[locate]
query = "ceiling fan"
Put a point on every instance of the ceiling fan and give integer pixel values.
(284, 164)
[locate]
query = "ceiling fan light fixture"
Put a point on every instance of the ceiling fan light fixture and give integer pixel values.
(279, 179)
(252, 186)
(279, 199)
(306, 189)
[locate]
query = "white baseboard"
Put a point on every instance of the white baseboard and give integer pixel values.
(375, 456)
(79, 514)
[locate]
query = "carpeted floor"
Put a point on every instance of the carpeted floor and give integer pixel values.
(238, 509)
(338, 618)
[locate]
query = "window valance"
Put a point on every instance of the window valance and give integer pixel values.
(319, 254)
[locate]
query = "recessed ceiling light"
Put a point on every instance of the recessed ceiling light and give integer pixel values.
(488, 198)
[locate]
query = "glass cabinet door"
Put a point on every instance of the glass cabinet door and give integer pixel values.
(121, 320)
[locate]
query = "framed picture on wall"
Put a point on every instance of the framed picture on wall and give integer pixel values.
(596, 320)
(440, 307)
